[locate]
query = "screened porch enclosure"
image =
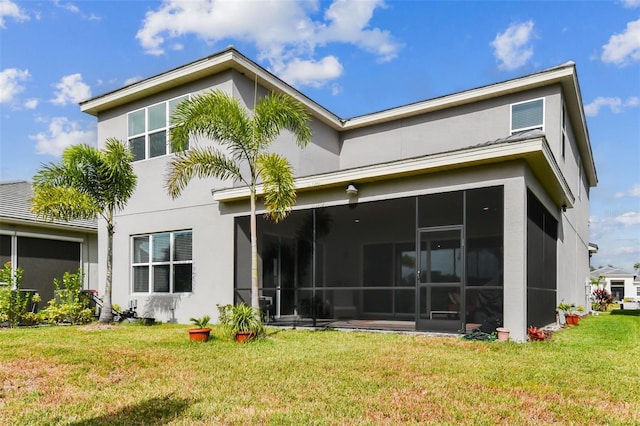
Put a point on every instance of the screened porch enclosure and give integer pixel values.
(359, 262)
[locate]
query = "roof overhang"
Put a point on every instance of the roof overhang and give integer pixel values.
(49, 225)
(229, 59)
(535, 152)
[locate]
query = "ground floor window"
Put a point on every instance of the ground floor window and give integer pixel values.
(162, 262)
(370, 260)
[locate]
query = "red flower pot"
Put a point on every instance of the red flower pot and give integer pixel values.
(244, 336)
(572, 319)
(199, 334)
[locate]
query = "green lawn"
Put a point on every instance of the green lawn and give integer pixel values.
(135, 375)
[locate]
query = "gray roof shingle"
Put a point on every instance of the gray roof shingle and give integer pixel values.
(15, 200)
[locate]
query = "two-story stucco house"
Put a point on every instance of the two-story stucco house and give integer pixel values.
(465, 209)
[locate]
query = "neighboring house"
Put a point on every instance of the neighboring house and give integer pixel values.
(45, 250)
(470, 208)
(621, 284)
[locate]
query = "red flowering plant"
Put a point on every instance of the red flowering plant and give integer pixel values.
(536, 334)
(602, 299)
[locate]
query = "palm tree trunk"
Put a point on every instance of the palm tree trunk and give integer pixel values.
(255, 301)
(106, 315)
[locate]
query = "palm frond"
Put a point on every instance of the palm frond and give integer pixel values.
(214, 115)
(279, 189)
(62, 203)
(278, 111)
(116, 175)
(200, 162)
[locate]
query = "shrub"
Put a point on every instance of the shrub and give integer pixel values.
(14, 303)
(69, 306)
(536, 334)
(602, 299)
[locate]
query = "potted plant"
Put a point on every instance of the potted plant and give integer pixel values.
(201, 332)
(242, 321)
(570, 312)
(503, 334)
(536, 334)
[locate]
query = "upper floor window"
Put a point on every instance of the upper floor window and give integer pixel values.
(162, 263)
(527, 115)
(149, 128)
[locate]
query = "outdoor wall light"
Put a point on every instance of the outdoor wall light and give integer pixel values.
(351, 190)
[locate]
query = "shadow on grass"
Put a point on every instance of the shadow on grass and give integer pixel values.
(151, 412)
(627, 312)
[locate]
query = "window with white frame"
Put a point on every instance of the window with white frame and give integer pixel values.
(149, 128)
(162, 262)
(527, 115)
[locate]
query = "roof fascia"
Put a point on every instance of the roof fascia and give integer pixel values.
(535, 151)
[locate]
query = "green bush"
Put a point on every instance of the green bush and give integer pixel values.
(14, 303)
(69, 306)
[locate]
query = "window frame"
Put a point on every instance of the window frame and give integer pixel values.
(541, 126)
(147, 133)
(151, 263)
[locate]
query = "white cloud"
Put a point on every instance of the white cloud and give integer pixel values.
(62, 133)
(623, 48)
(615, 104)
(67, 6)
(348, 22)
(630, 4)
(311, 73)
(626, 250)
(71, 89)
(633, 192)
(31, 103)
(132, 80)
(284, 32)
(512, 48)
(11, 10)
(10, 80)
(628, 219)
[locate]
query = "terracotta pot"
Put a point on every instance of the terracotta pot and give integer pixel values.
(244, 336)
(572, 319)
(199, 334)
(503, 334)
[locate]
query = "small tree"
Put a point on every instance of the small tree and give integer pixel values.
(87, 182)
(244, 137)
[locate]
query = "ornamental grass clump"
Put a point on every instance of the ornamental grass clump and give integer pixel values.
(241, 318)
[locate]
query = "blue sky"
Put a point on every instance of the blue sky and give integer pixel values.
(353, 57)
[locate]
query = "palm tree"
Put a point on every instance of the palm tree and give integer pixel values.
(86, 183)
(244, 137)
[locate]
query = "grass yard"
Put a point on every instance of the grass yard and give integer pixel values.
(153, 375)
